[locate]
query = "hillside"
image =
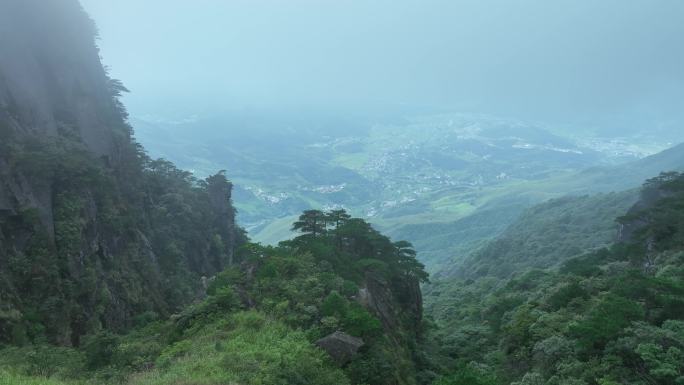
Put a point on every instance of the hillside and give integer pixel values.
(315, 310)
(610, 316)
(548, 234)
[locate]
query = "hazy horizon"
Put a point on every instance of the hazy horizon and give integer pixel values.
(610, 64)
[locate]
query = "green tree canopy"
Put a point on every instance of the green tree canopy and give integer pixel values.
(311, 222)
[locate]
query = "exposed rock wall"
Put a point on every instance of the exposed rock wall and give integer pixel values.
(220, 193)
(398, 305)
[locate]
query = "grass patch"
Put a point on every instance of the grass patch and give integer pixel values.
(9, 378)
(246, 348)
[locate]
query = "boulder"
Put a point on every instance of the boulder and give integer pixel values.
(340, 346)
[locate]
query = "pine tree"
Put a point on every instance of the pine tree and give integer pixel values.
(311, 222)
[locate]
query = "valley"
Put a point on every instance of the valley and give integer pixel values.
(422, 178)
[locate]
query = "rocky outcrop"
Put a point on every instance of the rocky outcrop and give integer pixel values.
(398, 304)
(377, 296)
(413, 302)
(394, 304)
(220, 192)
(52, 85)
(340, 346)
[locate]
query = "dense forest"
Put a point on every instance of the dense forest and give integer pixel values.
(609, 316)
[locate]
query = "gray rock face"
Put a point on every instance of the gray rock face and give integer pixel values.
(340, 346)
(378, 297)
(220, 194)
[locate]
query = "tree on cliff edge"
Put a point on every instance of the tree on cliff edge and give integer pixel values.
(311, 222)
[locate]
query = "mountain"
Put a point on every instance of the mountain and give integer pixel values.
(116, 268)
(623, 176)
(92, 231)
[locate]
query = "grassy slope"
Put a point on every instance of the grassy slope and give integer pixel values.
(276, 231)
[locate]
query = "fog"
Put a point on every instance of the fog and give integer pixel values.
(616, 64)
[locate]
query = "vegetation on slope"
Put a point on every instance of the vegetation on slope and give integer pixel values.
(93, 232)
(261, 317)
(548, 234)
(9, 378)
(611, 316)
(115, 249)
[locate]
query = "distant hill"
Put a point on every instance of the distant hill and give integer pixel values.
(623, 176)
(548, 234)
(439, 243)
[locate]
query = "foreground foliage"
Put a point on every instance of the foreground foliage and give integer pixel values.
(261, 317)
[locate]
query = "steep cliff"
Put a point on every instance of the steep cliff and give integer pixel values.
(52, 84)
(92, 232)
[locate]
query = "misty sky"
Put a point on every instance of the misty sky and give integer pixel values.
(574, 61)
